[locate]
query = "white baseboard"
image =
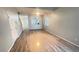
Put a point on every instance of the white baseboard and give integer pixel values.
(11, 46)
(63, 38)
(14, 42)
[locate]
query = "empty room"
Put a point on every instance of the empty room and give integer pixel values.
(39, 29)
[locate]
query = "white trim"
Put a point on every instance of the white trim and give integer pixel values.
(14, 42)
(11, 46)
(63, 39)
(67, 41)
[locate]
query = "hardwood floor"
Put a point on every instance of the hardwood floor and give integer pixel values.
(41, 41)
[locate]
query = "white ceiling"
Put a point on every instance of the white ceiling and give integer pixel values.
(30, 10)
(47, 8)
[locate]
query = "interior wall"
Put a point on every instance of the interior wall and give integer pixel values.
(5, 34)
(6, 28)
(64, 23)
(25, 21)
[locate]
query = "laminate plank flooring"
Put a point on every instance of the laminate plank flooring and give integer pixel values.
(41, 41)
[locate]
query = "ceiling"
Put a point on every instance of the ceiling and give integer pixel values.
(30, 10)
(47, 8)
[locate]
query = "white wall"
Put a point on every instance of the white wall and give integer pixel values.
(25, 22)
(5, 34)
(6, 38)
(64, 22)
